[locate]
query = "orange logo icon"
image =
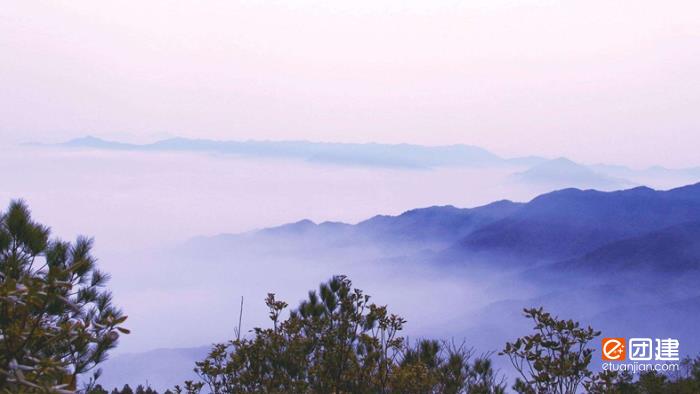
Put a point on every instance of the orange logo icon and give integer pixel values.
(613, 349)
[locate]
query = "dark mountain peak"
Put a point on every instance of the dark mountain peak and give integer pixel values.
(564, 195)
(299, 227)
(568, 222)
(432, 210)
(333, 225)
(638, 191)
(498, 207)
(414, 216)
(500, 203)
(303, 223)
(437, 211)
(573, 194)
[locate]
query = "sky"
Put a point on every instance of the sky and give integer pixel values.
(596, 81)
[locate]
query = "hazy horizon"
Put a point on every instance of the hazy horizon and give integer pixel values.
(156, 138)
(589, 80)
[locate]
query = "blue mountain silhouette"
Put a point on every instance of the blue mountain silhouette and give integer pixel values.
(570, 222)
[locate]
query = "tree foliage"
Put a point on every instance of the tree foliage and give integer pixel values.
(337, 341)
(555, 358)
(57, 320)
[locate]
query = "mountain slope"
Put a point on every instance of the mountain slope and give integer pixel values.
(674, 249)
(570, 222)
(444, 224)
(423, 228)
(552, 227)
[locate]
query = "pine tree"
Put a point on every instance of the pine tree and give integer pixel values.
(57, 320)
(126, 390)
(337, 341)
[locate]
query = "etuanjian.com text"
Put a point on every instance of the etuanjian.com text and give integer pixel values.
(636, 367)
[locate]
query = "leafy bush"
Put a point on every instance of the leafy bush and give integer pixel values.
(337, 341)
(555, 358)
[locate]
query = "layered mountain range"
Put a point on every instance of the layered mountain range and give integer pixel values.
(569, 225)
(626, 262)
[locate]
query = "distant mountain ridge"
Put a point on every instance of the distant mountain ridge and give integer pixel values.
(533, 171)
(630, 212)
(369, 154)
(552, 227)
(563, 172)
(423, 228)
(569, 222)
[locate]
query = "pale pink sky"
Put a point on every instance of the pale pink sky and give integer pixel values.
(612, 81)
